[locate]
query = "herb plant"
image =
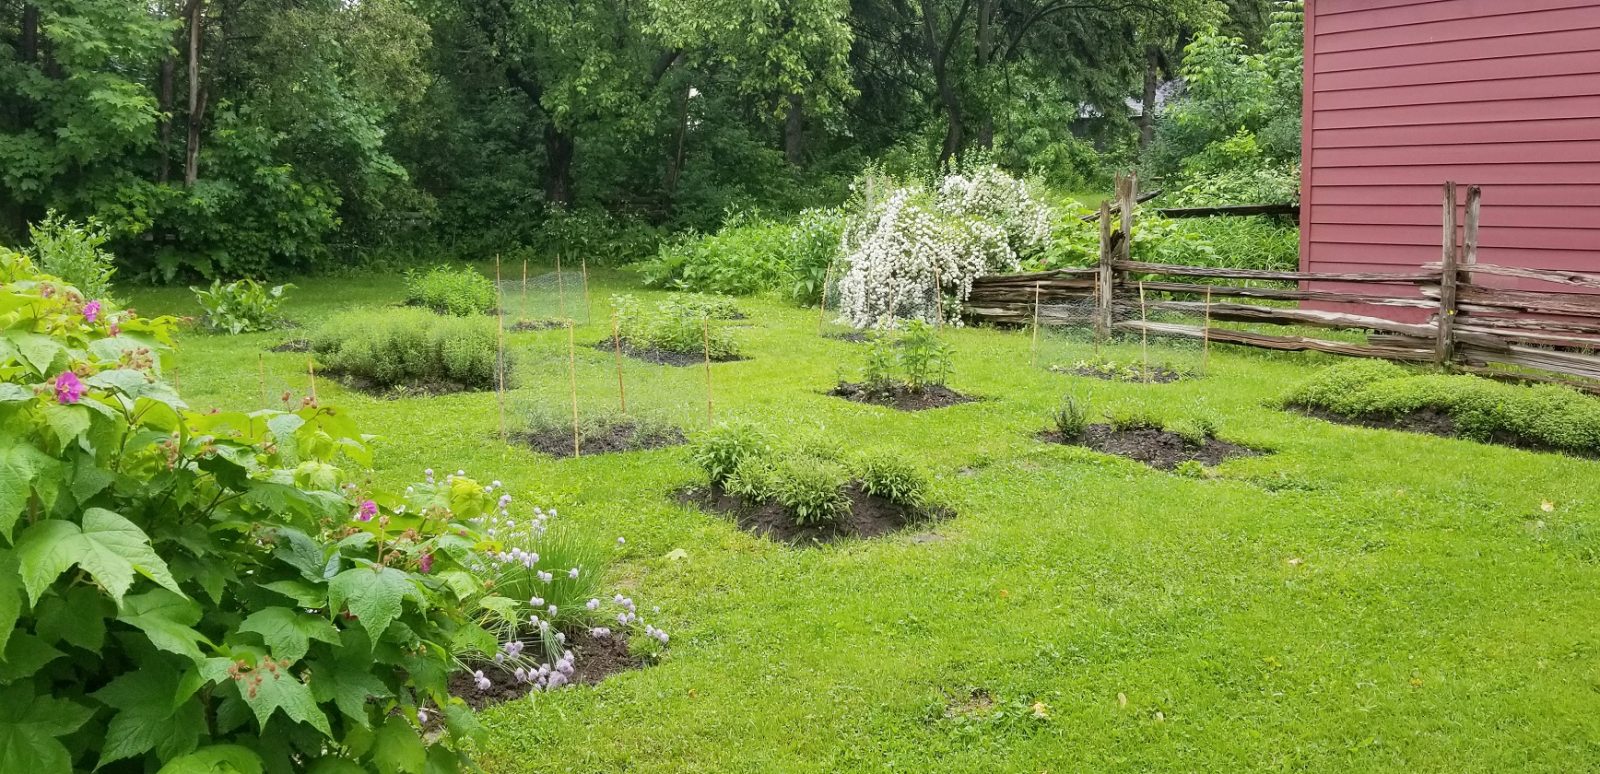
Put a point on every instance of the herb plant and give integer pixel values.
(453, 291)
(409, 347)
(1070, 417)
(241, 306)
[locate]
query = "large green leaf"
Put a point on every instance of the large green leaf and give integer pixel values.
(37, 349)
(373, 594)
(288, 634)
(77, 617)
(279, 690)
(21, 466)
(216, 759)
(10, 597)
(30, 729)
(168, 619)
(147, 718)
(349, 686)
(399, 748)
(107, 547)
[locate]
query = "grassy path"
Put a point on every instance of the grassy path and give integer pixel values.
(1360, 600)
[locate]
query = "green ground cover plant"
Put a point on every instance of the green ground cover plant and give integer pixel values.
(1360, 600)
(241, 306)
(1546, 416)
(451, 290)
(385, 349)
(685, 325)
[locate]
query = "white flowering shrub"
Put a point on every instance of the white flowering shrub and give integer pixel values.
(913, 254)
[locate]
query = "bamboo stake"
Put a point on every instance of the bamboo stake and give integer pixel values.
(1205, 337)
(261, 378)
(572, 384)
(561, 287)
(1144, 334)
(1033, 356)
(705, 331)
(938, 299)
(588, 311)
(311, 369)
(522, 309)
(500, 346)
(616, 341)
(175, 387)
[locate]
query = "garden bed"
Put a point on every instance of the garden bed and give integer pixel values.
(1434, 422)
(667, 357)
(1156, 447)
(523, 326)
(594, 659)
(293, 345)
(900, 396)
(853, 337)
(422, 389)
(620, 435)
(869, 516)
(1158, 374)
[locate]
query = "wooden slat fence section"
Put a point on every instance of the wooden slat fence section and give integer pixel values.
(1555, 332)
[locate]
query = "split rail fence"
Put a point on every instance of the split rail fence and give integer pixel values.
(1472, 324)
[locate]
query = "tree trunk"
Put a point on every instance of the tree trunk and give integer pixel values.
(984, 56)
(794, 128)
(948, 99)
(197, 93)
(1147, 108)
(28, 41)
(558, 152)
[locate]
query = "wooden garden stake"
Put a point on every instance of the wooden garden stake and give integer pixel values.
(572, 384)
(311, 371)
(500, 347)
(1144, 334)
(705, 332)
(1033, 356)
(616, 342)
(522, 309)
(587, 310)
(938, 299)
(822, 308)
(175, 377)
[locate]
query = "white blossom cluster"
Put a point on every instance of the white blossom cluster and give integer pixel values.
(913, 255)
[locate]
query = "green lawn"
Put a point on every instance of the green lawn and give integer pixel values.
(1359, 600)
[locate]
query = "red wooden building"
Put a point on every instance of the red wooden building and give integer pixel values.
(1402, 95)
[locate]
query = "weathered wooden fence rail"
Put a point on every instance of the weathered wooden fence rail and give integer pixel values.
(1471, 326)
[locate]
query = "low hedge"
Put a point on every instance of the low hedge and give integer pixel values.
(410, 347)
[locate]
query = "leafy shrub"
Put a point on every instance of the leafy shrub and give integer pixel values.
(445, 290)
(238, 601)
(71, 251)
(811, 488)
(719, 451)
(1070, 417)
(1545, 416)
(892, 478)
(907, 248)
(914, 358)
(241, 306)
(1132, 418)
(749, 255)
(675, 325)
(406, 347)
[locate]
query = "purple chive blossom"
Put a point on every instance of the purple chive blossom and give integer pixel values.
(546, 577)
(599, 632)
(536, 601)
(91, 311)
(367, 510)
(622, 541)
(552, 611)
(428, 474)
(593, 604)
(521, 674)
(422, 716)
(481, 681)
(573, 573)
(69, 389)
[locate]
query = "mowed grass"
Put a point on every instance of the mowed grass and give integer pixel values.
(1359, 600)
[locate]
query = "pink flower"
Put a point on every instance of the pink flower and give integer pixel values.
(68, 388)
(91, 310)
(367, 510)
(425, 564)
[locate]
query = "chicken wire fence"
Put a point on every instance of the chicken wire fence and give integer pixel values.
(1067, 338)
(545, 300)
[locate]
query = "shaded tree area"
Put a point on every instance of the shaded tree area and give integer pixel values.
(265, 137)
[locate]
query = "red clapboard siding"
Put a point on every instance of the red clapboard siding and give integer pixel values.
(1403, 95)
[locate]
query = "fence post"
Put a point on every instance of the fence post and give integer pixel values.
(1129, 198)
(1444, 347)
(1103, 280)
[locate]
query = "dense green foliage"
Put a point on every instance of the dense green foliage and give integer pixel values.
(686, 325)
(73, 252)
(241, 306)
(914, 358)
(238, 600)
(1545, 416)
(749, 254)
(458, 291)
(388, 348)
(809, 478)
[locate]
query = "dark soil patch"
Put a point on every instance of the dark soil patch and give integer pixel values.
(870, 516)
(900, 396)
(854, 337)
(293, 345)
(1160, 449)
(1435, 422)
(1159, 374)
(622, 435)
(522, 326)
(594, 658)
(662, 356)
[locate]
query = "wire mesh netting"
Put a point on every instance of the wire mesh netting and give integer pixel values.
(1072, 338)
(545, 300)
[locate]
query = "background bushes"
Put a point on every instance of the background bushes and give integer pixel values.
(409, 347)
